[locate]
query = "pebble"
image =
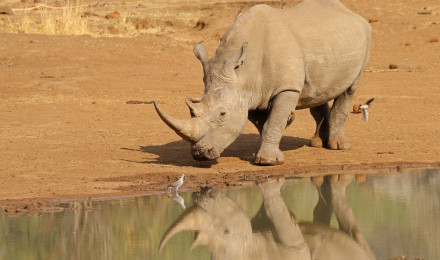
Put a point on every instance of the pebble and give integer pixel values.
(6, 10)
(426, 10)
(113, 30)
(142, 25)
(114, 15)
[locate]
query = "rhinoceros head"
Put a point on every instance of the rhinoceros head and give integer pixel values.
(219, 117)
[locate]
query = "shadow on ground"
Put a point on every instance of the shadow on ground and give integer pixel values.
(178, 153)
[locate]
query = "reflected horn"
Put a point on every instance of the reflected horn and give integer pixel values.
(191, 219)
(190, 130)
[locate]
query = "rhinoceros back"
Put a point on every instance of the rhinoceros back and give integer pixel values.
(318, 48)
(335, 44)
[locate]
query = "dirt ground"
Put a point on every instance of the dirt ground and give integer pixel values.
(67, 131)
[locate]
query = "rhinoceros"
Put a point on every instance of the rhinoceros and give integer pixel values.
(269, 63)
(274, 233)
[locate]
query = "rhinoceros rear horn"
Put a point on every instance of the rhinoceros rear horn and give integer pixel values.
(194, 106)
(190, 130)
(201, 53)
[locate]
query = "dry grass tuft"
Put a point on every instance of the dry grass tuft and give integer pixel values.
(75, 18)
(66, 20)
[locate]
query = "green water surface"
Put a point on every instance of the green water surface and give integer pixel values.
(398, 214)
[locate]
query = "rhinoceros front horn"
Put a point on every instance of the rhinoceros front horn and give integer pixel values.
(190, 130)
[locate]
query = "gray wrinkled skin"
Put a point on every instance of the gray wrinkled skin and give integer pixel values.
(271, 62)
(274, 232)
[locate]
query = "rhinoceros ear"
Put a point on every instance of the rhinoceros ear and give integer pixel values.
(201, 53)
(239, 57)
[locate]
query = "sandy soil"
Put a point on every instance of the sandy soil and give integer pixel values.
(66, 130)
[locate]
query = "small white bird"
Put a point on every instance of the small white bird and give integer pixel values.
(177, 183)
(365, 108)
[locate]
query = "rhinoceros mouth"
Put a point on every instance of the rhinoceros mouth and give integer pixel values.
(200, 153)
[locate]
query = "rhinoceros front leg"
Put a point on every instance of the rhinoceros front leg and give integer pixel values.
(282, 107)
(286, 228)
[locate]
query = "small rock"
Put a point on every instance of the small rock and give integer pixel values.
(373, 20)
(89, 14)
(426, 10)
(202, 22)
(393, 66)
(113, 15)
(6, 10)
(144, 24)
(113, 30)
(384, 153)
(200, 25)
(433, 40)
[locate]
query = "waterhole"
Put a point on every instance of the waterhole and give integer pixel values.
(380, 216)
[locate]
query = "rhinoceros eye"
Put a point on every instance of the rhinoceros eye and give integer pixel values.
(223, 113)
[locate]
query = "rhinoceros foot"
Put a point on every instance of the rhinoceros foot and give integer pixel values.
(340, 182)
(264, 161)
(316, 141)
(269, 156)
(339, 142)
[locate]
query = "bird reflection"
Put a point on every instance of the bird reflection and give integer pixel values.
(178, 199)
(274, 232)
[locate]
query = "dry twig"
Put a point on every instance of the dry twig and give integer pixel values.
(45, 6)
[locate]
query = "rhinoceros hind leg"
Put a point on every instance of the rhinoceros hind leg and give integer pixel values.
(282, 107)
(338, 115)
(323, 210)
(321, 115)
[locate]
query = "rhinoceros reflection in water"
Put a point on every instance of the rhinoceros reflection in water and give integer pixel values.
(274, 233)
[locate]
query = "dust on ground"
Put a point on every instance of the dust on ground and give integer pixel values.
(67, 130)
